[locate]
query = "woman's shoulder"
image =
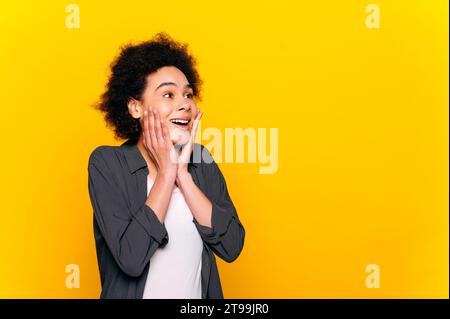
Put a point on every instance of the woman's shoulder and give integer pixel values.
(120, 159)
(104, 153)
(116, 159)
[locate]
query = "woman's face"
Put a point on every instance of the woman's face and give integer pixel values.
(169, 92)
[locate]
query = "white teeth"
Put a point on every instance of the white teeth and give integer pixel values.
(177, 121)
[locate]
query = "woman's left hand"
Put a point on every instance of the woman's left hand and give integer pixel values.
(186, 151)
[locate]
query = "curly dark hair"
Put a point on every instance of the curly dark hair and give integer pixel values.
(129, 71)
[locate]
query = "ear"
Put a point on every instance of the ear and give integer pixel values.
(135, 108)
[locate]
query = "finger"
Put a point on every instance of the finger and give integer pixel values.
(158, 128)
(166, 133)
(195, 126)
(146, 133)
(146, 130)
(189, 146)
(187, 149)
(198, 118)
(153, 139)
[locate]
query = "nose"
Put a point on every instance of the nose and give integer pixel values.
(184, 106)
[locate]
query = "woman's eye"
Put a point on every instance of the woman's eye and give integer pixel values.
(189, 95)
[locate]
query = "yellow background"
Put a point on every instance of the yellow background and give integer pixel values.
(362, 116)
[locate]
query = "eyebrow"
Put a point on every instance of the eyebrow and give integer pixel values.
(172, 83)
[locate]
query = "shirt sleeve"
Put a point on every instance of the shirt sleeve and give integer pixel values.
(227, 234)
(131, 236)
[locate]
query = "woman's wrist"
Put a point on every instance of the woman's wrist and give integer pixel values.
(183, 178)
(167, 177)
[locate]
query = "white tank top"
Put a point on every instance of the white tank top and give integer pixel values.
(175, 269)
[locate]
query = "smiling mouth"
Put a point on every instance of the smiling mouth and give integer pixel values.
(180, 123)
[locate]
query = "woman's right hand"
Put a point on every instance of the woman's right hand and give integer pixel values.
(159, 146)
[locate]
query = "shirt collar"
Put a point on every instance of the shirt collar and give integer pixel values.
(134, 158)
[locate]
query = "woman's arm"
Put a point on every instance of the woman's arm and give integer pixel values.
(198, 203)
(157, 144)
(214, 214)
(159, 197)
(132, 237)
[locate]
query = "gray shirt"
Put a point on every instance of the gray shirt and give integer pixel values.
(127, 232)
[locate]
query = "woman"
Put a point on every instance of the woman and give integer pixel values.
(159, 215)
